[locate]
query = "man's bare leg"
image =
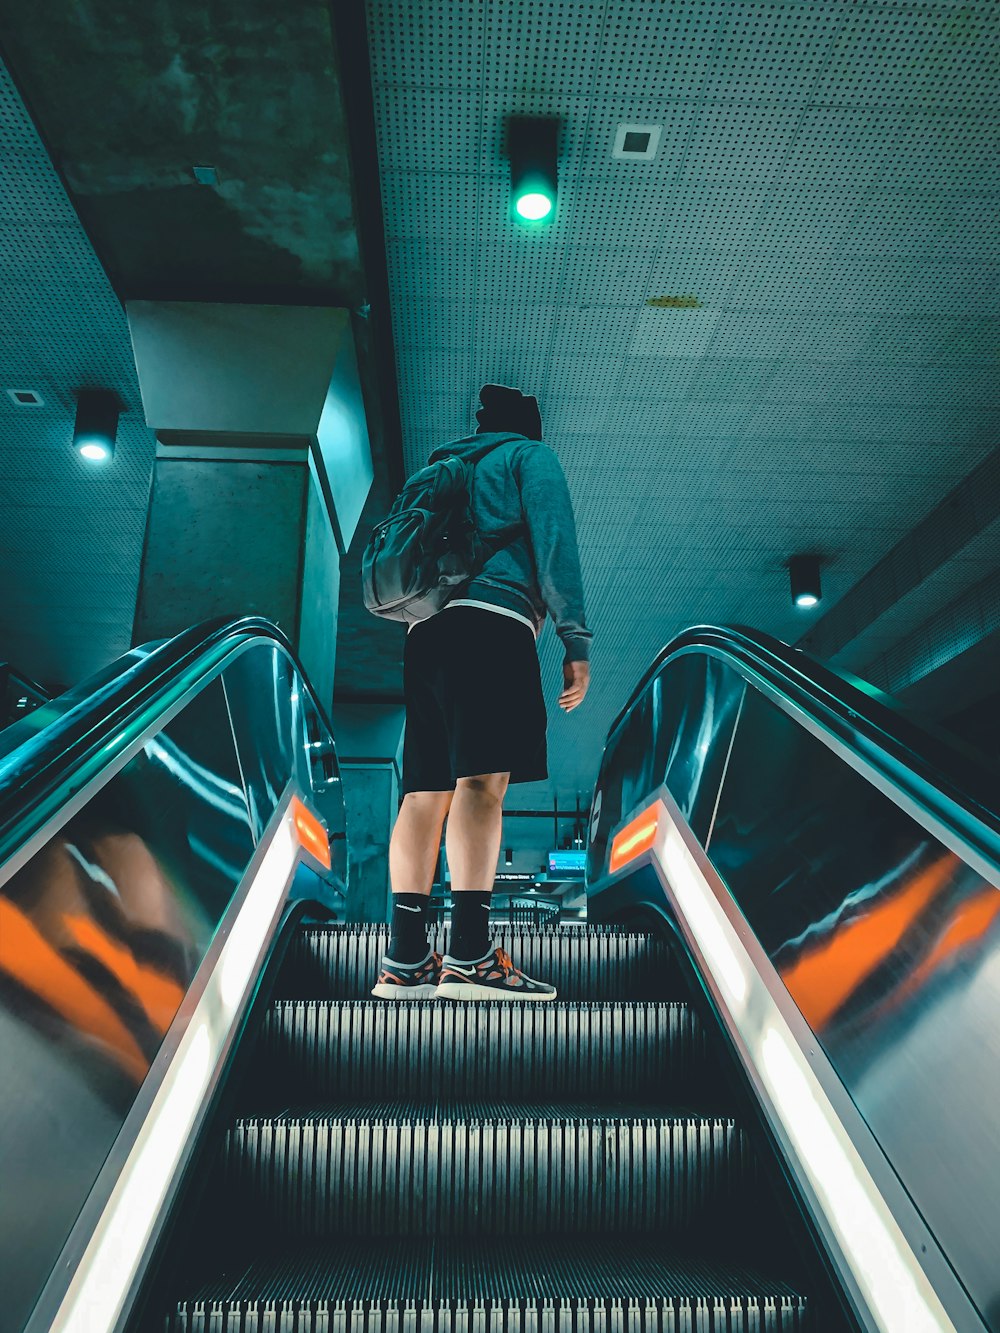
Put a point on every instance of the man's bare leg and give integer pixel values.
(474, 970)
(416, 840)
(474, 831)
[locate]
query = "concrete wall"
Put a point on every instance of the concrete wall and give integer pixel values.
(223, 539)
(371, 798)
(369, 746)
(236, 538)
(319, 597)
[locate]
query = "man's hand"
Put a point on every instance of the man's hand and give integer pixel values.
(576, 678)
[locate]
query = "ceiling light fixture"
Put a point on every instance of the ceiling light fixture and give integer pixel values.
(532, 146)
(637, 143)
(96, 424)
(804, 574)
(26, 397)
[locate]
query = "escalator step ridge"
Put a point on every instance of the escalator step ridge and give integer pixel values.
(593, 962)
(569, 928)
(369, 1176)
(588, 1282)
(698, 1315)
(313, 1050)
(447, 1110)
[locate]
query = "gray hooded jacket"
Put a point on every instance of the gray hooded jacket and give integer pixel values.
(518, 487)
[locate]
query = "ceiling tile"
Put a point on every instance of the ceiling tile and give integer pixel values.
(914, 54)
(825, 193)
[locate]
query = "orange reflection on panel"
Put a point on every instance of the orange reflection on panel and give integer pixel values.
(159, 995)
(823, 980)
(28, 957)
(311, 833)
(635, 838)
(969, 923)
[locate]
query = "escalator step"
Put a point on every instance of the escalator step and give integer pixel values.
(496, 1285)
(510, 1170)
(323, 1050)
(588, 963)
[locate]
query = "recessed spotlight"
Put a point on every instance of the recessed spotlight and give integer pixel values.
(95, 450)
(803, 572)
(534, 207)
(96, 424)
(26, 397)
(532, 146)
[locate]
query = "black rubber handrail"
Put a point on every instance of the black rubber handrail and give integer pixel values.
(59, 759)
(958, 791)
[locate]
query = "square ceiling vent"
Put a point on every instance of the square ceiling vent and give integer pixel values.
(26, 397)
(637, 143)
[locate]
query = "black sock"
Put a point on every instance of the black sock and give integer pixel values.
(408, 940)
(470, 925)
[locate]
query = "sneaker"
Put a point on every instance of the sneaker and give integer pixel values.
(408, 981)
(491, 978)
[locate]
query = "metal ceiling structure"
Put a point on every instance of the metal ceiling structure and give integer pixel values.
(825, 187)
(821, 216)
(111, 167)
(70, 536)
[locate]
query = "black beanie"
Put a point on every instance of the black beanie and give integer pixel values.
(507, 409)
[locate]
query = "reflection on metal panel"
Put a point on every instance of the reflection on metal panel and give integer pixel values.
(890, 946)
(280, 734)
(259, 686)
(678, 733)
(100, 935)
(887, 940)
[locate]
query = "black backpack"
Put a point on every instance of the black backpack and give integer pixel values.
(418, 557)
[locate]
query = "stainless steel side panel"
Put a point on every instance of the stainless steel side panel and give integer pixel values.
(110, 908)
(889, 944)
(884, 938)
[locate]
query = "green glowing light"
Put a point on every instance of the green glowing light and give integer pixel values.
(534, 206)
(94, 450)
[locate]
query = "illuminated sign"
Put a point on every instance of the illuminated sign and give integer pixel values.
(567, 863)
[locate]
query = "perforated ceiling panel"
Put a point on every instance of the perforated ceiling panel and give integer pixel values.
(826, 187)
(70, 533)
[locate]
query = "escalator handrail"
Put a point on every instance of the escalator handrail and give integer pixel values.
(958, 793)
(57, 757)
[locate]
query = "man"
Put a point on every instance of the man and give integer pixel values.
(475, 716)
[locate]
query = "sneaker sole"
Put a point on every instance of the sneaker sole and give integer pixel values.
(384, 990)
(468, 990)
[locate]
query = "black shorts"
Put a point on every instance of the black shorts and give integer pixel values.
(473, 700)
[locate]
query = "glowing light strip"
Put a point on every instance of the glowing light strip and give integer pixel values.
(635, 838)
(891, 1281)
(310, 832)
(97, 1293)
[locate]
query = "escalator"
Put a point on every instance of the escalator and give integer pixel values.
(764, 1099)
(494, 1166)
